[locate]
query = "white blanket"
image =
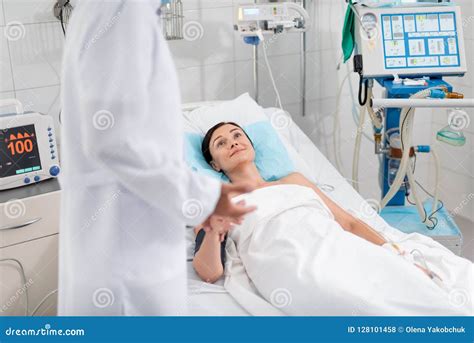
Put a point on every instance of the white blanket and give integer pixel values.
(290, 257)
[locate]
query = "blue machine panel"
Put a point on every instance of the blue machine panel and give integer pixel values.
(392, 120)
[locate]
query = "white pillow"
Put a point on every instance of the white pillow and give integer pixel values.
(243, 110)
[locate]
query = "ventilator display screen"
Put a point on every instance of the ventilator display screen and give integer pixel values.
(18, 151)
(420, 40)
(251, 11)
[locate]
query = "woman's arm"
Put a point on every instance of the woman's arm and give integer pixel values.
(361, 229)
(207, 261)
(209, 255)
(347, 221)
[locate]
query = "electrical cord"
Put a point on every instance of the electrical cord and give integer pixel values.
(336, 125)
(62, 21)
(66, 7)
(24, 285)
(364, 83)
(43, 301)
(271, 76)
(402, 145)
(61, 18)
(23, 279)
(336, 131)
(430, 216)
(427, 216)
(403, 124)
(432, 196)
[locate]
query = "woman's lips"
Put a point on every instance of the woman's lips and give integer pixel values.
(236, 151)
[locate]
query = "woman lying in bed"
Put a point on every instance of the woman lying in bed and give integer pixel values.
(228, 149)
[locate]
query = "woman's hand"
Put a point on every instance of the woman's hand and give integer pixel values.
(226, 208)
(220, 226)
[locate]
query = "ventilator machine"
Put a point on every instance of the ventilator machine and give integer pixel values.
(407, 48)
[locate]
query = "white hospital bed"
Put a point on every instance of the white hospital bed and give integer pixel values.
(213, 299)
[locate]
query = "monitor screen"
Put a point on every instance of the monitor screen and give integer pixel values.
(420, 40)
(251, 11)
(18, 151)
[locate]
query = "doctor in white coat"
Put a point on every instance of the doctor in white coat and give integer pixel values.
(127, 193)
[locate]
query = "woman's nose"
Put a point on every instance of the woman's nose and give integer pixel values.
(233, 144)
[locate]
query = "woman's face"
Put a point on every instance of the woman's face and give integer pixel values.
(229, 147)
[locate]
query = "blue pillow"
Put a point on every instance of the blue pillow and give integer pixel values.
(271, 157)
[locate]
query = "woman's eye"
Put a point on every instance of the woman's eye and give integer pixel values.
(237, 135)
(220, 143)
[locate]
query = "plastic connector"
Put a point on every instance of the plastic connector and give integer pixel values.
(423, 148)
(379, 149)
(438, 94)
(377, 130)
(252, 40)
(454, 95)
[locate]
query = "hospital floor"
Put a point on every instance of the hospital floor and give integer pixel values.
(467, 228)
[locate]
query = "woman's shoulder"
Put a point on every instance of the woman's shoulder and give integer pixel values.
(295, 179)
(292, 177)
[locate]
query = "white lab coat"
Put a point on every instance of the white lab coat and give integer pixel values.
(127, 193)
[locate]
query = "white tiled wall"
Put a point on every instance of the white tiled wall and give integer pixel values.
(218, 65)
(31, 43)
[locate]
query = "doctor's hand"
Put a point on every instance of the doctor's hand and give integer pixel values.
(234, 213)
(220, 226)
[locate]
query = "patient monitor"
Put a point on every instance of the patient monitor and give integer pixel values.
(28, 150)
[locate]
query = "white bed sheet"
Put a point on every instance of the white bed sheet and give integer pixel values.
(206, 299)
(212, 299)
